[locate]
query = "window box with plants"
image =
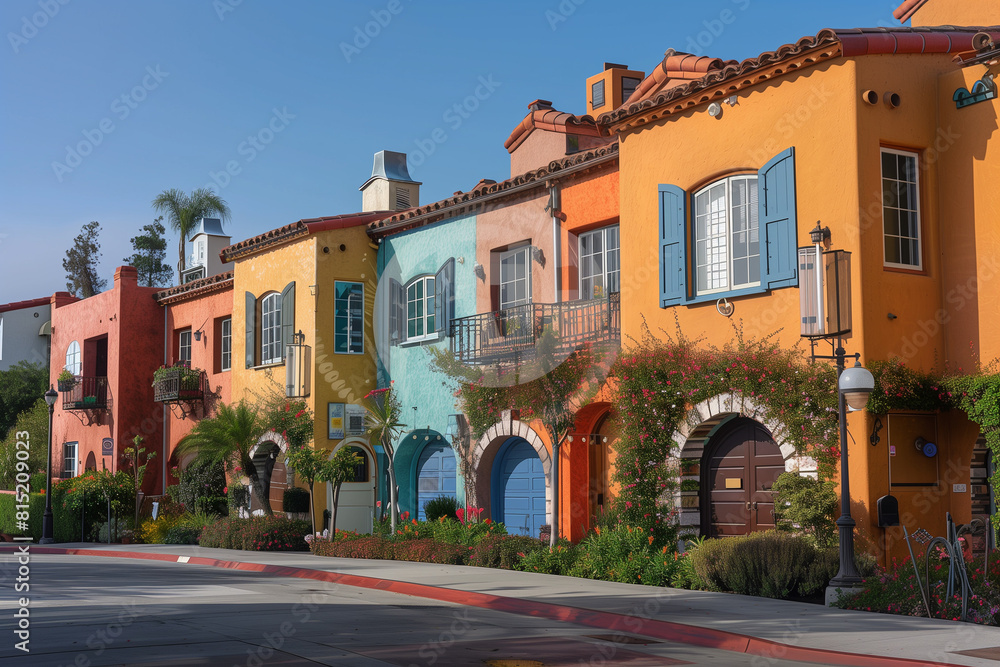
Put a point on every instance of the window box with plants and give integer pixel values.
(66, 381)
(178, 383)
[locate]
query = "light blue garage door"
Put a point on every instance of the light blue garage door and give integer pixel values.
(435, 475)
(523, 482)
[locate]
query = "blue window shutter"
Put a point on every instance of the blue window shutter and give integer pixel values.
(397, 312)
(251, 330)
(287, 315)
(776, 217)
(673, 264)
(444, 296)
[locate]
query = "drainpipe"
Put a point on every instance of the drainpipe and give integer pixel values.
(554, 534)
(166, 347)
(553, 208)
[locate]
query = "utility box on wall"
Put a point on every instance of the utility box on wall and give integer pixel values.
(912, 466)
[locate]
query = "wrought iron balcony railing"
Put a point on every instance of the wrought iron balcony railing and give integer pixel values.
(514, 333)
(84, 393)
(180, 384)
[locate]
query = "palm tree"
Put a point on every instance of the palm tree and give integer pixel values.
(384, 427)
(229, 437)
(182, 210)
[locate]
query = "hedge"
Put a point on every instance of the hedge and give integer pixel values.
(259, 533)
(8, 514)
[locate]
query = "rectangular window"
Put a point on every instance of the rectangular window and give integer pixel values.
(184, 346)
(901, 209)
(270, 329)
(348, 318)
(597, 95)
(69, 460)
(420, 307)
(629, 84)
(226, 342)
(600, 267)
(726, 236)
(515, 277)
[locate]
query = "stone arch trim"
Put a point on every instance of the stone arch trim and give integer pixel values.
(485, 450)
(270, 436)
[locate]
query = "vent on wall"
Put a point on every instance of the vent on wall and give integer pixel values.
(402, 199)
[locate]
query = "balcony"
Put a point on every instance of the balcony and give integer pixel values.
(84, 393)
(512, 335)
(179, 384)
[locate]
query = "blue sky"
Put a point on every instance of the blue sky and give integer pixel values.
(167, 94)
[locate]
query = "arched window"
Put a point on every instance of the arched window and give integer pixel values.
(270, 329)
(420, 308)
(73, 358)
(726, 235)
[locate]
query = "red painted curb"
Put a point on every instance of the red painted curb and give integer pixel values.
(633, 624)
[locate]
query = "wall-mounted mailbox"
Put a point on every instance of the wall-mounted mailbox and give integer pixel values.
(888, 511)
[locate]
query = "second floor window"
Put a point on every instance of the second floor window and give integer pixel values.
(420, 307)
(226, 341)
(600, 268)
(69, 460)
(348, 321)
(73, 358)
(726, 235)
(597, 95)
(184, 346)
(270, 329)
(900, 209)
(515, 277)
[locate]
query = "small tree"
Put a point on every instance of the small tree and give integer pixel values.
(338, 470)
(80, 264)
(21, 387)
(150, 249)
(307, 464)
(133, 455)
(384, 427)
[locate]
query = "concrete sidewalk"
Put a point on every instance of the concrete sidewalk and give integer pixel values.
(768, 628)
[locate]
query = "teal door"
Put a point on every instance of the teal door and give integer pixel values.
(435, 475)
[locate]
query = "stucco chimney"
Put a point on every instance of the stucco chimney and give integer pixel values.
(390, 187)
(126, 274)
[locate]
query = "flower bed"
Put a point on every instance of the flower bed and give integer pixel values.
(259, 533)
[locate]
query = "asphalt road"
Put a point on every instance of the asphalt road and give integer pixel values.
(87, 611)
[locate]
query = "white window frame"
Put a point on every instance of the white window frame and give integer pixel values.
(271, 349)
(337, 305)
(184, 346)
(505, 256)
(605, 252)
(226, 344)
(919, 265)
(727, 235)
(76, 458)
(426, 302)
(73, 364)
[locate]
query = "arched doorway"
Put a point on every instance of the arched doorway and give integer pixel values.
(740, 463)
(519, 488)
(91, 462)
(273, 476)
(435, 475)
(356, 507)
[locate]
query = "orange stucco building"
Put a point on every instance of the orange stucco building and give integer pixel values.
(726, 167)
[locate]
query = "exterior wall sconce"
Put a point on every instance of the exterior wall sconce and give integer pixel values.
(197, 334)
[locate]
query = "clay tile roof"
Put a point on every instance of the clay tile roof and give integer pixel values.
(484, 191)
(22, 305)
(675, 69)
(550, 120)
(295, 230)
(195, 288)
(908, 9)
(806, 51)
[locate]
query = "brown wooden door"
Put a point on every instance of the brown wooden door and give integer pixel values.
(742, 463)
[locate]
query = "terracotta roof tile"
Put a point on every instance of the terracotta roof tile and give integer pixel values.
(194, 288)
(906, 10)
(676, 69)
(550, 120)
(294, 230)
(486, 190)
(22, 305)
(854, 42)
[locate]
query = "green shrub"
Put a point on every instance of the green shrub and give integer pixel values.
(119, 529)
(502, 551)
(9, 515)
(295, 500)
(559, 560)
(155, 532)
(442, 506)
(35, 422)
(420, 550)
(451, 531)
(66, 516)
(625, 554)
(259, 533)
(201, 488)
(770, 564)
(807, 505)
(181, 534)
(237, 498)
(684, 575)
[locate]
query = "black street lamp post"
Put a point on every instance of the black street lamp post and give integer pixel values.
(50, 400)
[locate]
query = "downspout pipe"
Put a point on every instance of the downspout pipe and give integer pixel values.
(553, 209)
(164, 426)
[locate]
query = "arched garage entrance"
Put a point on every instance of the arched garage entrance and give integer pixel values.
(518, 488)
(740, 464)
(435, 474)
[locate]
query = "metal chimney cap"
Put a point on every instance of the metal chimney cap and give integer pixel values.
(390, 166)
(209, 226)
